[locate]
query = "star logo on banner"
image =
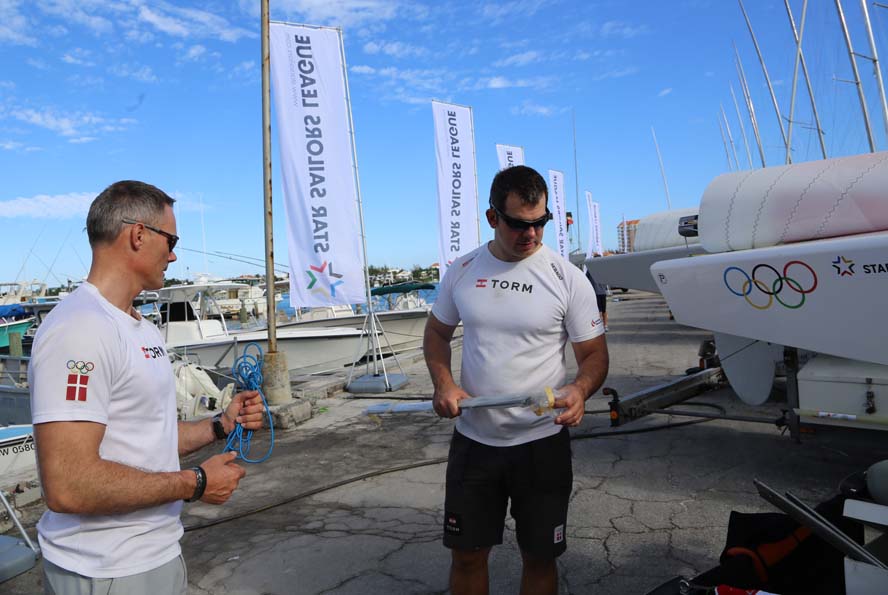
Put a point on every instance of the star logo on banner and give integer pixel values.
(844, 267)
(315, 274)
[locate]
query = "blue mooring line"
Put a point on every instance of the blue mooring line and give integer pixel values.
(247, 371)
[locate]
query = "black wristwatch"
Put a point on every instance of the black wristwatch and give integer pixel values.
(200, 486)
(218, 428)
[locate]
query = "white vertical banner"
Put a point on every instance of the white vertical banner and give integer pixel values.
(596, 223)
(590, 249)
(509, 156)
(317, 166)
(457, 187)
(559, 212)
(595, 242)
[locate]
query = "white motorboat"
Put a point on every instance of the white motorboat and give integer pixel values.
(308, 350)
(403, 322)
(17, 459)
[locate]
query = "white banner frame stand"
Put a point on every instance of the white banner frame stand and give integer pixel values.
(374, 382)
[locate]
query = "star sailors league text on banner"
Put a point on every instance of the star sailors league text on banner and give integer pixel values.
(457, 188)
(509, 156)
(317, 166)
(559, 212)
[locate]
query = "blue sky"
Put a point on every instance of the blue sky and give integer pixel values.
(96, 91)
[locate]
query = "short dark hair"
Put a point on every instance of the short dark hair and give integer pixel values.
(524, 181)
(127, 199)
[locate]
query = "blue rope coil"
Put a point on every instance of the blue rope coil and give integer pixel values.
(247, 371)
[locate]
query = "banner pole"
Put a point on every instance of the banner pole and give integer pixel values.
(276, 377)
(475, 166)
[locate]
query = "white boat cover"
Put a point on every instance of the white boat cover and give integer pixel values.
(660, 230)
(794, 203)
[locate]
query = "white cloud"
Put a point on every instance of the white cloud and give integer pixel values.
(139, 36)
(78, 12)
(197, 23)
(37, 63)
(44, 206)
(163, 23)
(82, 139)
(78, 56)
(621, 29)
(616, 73)
(10, 145)
(501, 82)
(521, 59)
(71, 125)
(7, 85)
(529, 108)
(195, 52)
(13, 25)
(134, 71)
(503, 10)
(395, 49)
(665, 92)
(343, 13)
(363, 69)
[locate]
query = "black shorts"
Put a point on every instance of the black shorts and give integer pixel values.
(602, 303)
(537, 477)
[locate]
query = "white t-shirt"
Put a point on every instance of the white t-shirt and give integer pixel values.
(518, 318)
(93, 362)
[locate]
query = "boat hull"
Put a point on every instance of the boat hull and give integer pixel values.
(402, 330)
(17, 454)
(306, 353)
(17, 326)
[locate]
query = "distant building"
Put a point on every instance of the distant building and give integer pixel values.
(626, 235)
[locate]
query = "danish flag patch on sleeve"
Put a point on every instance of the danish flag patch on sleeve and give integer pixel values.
(78, 380)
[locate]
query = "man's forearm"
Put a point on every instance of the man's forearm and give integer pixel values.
(438, 356)
(591, 373)
(194, 435)
(106, 487)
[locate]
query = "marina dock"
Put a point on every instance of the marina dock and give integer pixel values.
(354, 505)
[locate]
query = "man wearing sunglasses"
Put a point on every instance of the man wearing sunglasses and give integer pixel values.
(520, 304)
(103, 402)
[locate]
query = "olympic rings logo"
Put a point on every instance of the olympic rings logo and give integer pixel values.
(774, 290)
(82, 367)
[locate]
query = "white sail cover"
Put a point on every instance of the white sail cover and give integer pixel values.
(660, 230)
(509, 155)
(317, 166)
(559, 212)
(457, 188)
(793, 203)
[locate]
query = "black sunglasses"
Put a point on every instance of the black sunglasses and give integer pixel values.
(521, 224)
(172, 239)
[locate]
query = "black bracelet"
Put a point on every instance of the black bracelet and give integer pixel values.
(200, 486)
(218, 428)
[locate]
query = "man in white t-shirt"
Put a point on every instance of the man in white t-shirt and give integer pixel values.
(520, 304)
(103, 402)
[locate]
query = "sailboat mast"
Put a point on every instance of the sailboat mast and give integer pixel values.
(662, 170)
(860, 95)
(749, 105)
(721, 129)
(875, 59)
(798, 39)
(576, 176)
(742, 127)
(758, 51)
(730, 136)
(795, 80)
